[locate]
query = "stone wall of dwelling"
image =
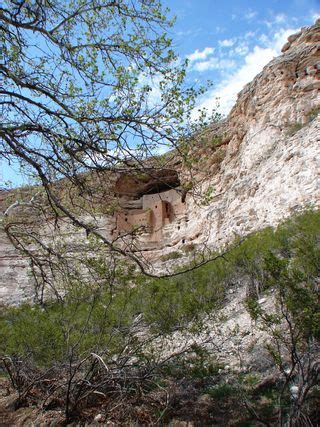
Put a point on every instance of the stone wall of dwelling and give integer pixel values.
(126, 221)
(158, 210)
(173, 196)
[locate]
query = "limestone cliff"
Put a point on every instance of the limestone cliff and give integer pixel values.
(265, 169)
(271, 162)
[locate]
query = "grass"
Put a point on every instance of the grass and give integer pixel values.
(313, 113)
(293, 128)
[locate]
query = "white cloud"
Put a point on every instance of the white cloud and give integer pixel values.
(250, 14)
(263, 39)
(184, 33)
(226, 42)
(198, 55)
(154, 96)
(280, 18)
(220, 30)
(280, 38)
(254, 61)
(228, 89)
(214, 64)
(188, 32)
(249, 34)
(240, 50)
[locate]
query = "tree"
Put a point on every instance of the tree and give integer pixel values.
(293, 328)
(89, 87)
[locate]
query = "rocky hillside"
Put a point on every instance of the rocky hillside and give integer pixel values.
(271, 163)
(264, 169)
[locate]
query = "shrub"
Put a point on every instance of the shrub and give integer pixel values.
(312, 114)
(102, 318)
(171, 255)
(293, 128)
(222, 391)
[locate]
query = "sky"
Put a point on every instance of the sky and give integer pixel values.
(227, 42)
(230, 41)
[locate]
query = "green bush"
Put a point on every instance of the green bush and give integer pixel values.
(99, 317)
(293, 128)
(222, 391)
(171, 256)
(312, 114)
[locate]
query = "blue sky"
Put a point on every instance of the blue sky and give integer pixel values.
(227, 42)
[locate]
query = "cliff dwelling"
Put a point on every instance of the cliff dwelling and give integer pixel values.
(149, 203)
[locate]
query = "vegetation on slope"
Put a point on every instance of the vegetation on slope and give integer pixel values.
(110, 342)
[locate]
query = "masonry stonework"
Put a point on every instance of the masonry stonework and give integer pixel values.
(157, 211)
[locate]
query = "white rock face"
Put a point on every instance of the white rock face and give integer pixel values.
(14, 279)
(270, 167)
(272, 162)
(272, 177)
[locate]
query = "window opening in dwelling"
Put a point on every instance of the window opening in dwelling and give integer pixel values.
(167, 210)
